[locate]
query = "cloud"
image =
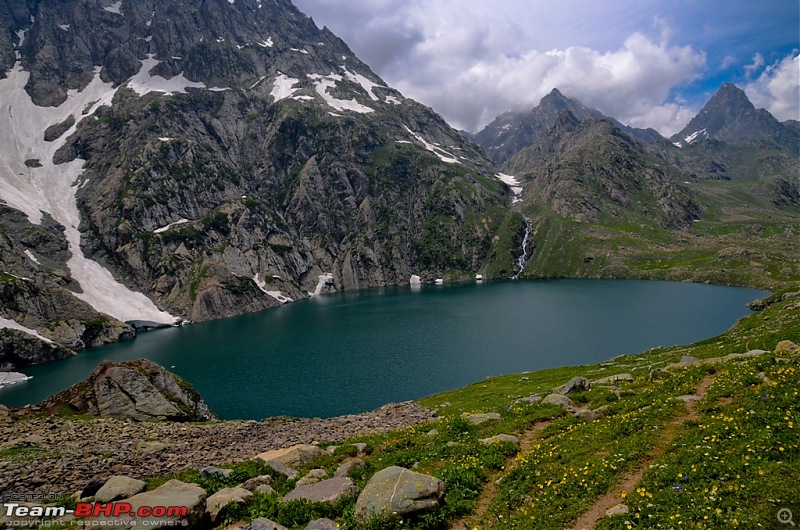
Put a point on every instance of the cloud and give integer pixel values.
(632, 83)
(777, 89)
(758, 62)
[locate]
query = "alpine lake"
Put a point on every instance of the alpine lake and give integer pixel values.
(354, 351)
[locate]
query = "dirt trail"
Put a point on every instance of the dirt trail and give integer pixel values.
(490, 492)
(614, 497)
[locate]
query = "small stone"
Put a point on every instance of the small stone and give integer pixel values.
(576, 384)
(211, 471)
(322, 524)
(263, 524)
(478, 419)
(561, 400)
(530, 400)
(253, 483)
(344, 469)
(501, 438)
(619, 509)
(786, 346)
(360, 447)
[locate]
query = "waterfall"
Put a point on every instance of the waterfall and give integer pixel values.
(523, 259)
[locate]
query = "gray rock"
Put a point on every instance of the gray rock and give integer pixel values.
(688, 360)
(264, 489)
(92, 487)
(344, 469)
(689, 398)
(360, 447)
(561, 400)
(619, 509)
(331, 490)
(312, 477)
(610, 380)
(263, 524)
(530, 400)
(786, 346)
(576, 384)
(211, 471)
(322, 524)
(173, 494)
(587, 415)
(283, 470)
(225, 497)
(500, 438)
(118, 487)
(478, 419)
(253, 483)
(396, 490)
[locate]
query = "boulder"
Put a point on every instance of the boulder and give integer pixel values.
(253, 483)
(322, 524)
(224, 498)
(263, 524)
(530, 400)
(587, 415)
(396, 490)
(331, 490)
(786, 346)
(500, 438)
(313, 476)
(92, 487)
(610, 380)
(283, 470)
(211, 471)
(344, 469)
(174, 493)
(138, 390)
(118, 487)
(561, 400)
(294, 456)
(477, 419)
(576, 384)
(619, 509)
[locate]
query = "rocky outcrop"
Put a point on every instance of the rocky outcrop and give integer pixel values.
(119, 487)
(19, 349)
(138, 390)
(218, 502)
(398, 491)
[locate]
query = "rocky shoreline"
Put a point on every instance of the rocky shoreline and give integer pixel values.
(47, 454)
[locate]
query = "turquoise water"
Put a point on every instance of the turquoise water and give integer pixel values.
(355, 351)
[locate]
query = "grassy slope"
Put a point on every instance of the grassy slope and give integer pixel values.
(741, 239)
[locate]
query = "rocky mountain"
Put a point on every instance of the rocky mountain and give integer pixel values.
(511, 132)
(195, 159)
(730, 117)
(586, 170)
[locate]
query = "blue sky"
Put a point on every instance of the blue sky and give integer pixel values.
(649, 64)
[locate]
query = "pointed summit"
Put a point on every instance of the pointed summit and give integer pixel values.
(730, 117)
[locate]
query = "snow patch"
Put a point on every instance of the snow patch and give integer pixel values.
(65, 27)
(10, 378)
(267, 43)
(283, 87)
(443, 155)
(513, 183)
(32, 257)
(695, 135)
(51, 188)
(10, 324)
(323, 83)
(277, 295)
(393, 100)
(171, 225)
(365, 83)
(299, 50)
(144, 83)
(114, 8)
(324, 279)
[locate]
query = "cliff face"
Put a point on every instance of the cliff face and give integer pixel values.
(220, 158)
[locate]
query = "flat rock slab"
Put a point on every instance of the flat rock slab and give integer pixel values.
(294, 456)
(610, 380)
(477, 419)
(396, 490)
(118, 487)
(331, 490)
(500, 438)
(171, 494)
(322, 524)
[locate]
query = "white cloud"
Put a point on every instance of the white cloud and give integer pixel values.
(758, 62)
(777, 89)
(632, 83)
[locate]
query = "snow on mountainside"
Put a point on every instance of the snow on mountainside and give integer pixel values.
(201, 159)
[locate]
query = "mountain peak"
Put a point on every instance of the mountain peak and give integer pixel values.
(730, 117)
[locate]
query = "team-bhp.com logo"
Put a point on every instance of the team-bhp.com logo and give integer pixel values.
(90, 514)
